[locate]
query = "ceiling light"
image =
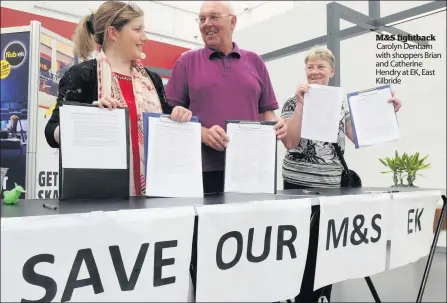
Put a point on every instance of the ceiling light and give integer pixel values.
(416, 17)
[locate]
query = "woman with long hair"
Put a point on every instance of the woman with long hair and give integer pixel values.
(115, 78)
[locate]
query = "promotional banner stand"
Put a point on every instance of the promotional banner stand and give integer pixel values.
(33, 59)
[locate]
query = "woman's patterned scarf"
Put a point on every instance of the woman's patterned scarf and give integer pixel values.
(146, 100)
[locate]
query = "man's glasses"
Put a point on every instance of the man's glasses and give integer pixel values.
(213, 18)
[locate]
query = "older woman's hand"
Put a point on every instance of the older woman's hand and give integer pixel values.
(396, 102)
(301, 90)
(181, 114)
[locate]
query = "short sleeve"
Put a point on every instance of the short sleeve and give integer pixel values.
(267, 100)
(288, 108)
(177, 91)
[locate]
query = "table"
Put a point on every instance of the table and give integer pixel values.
(34, 208)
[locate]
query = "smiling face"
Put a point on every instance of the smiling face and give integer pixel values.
(318, 71)
(130, 38)
(217, 24)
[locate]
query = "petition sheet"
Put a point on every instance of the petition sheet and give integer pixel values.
(250, 164)
(374, 118)
(321, 113)
(93, 138)
(174, 160)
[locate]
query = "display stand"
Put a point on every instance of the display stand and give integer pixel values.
(16, 112)
(47, 56)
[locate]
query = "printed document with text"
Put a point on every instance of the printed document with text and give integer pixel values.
(174, 160)
(93, 138)
(322, 113)
(250, 165)
(374, 117)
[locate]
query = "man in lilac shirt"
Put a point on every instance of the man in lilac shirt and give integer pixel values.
(221, 82)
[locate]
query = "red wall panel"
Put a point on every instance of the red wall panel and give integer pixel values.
(158, 54)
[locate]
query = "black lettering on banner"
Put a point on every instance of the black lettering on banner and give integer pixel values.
(125, 283)
(336, 238)
(289, 243)
(219, 261)
(358, 236)
(409, 230)
(266, 250)
(48, 179)
(417, 220)
(48, 194)
(93, 280)
(33, 278)
(358, 232)
(376, 227)
(159, 262)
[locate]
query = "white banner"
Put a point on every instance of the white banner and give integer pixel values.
(124, 256)
(411, 226)
(56, 57)
(47, 158)
(252, 252)
(352, 238)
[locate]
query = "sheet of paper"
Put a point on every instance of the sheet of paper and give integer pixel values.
(321, 113)
(93, 138)
(174, 161)
(250, 158)
(374, 118)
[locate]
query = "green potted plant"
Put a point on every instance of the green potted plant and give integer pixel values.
(404, 166)
(412, 165)
(396, 167)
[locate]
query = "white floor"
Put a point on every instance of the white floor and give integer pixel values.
(399, 285)
(442, 239)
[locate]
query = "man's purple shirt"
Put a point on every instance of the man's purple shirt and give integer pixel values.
(217, 88)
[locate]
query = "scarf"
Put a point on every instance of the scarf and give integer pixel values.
(146, 100)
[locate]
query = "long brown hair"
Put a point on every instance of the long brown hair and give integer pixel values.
(92, 29)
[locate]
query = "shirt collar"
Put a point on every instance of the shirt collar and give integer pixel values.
(212, 53)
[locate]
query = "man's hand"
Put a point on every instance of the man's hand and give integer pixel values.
(281, 128)
(215, 137)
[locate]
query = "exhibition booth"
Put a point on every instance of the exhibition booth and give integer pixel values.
(375, 243)
(29, 85)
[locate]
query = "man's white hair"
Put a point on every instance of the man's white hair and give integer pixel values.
(227, 4)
